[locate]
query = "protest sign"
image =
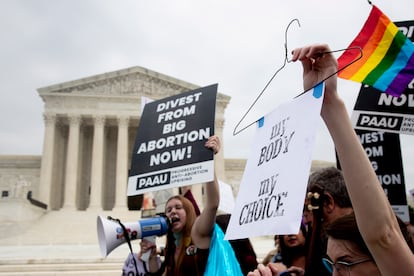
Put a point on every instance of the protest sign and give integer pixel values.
(384, 151)
(273, 187)
(169, 148)
(378, 111)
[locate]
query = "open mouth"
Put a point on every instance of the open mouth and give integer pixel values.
(174, 219)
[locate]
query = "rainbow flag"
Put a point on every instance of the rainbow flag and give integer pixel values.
(387, 63)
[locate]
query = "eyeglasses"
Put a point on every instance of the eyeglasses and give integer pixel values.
(343, 268)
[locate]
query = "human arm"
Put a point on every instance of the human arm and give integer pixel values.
(375, 217)
(203, 226)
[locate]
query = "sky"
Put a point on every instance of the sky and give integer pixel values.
(237, 44)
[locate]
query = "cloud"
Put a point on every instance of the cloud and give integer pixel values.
(237, 44)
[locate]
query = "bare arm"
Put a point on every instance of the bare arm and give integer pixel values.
(203, 226)
(375, 217)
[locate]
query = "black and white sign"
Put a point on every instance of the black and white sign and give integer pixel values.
(169, 149)
(384, 151)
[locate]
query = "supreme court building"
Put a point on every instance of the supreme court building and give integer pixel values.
(90, 129)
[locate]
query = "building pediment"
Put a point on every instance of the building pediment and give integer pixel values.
(130, 82)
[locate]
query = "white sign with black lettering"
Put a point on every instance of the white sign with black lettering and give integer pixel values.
(273, 188)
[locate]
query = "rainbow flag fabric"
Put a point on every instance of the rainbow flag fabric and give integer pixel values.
(387, 63)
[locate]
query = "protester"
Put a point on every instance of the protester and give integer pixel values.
(293, 249)
(292, 256)
(348, 248)
(375, 219)
(346, 240)
(139, 266)
(136, 265)
(188, 237)
(327, 199)
(332, 202)
(333, 199)
(273, 255)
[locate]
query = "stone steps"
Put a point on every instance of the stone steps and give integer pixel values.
(65, 243)
(75, 269)
(59, 227)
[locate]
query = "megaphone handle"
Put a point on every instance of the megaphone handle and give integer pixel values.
(126, 235)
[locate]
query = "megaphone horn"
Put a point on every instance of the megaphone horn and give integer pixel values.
(111, 234)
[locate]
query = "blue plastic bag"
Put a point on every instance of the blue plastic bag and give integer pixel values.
(221, 259)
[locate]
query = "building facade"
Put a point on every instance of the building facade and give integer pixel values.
(90, 129)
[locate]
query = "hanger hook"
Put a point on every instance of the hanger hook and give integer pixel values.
(235, 131)
(286, 38)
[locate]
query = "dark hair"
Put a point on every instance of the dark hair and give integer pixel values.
(407, 236)
(346, 228)
(331, 180)
(288, 253)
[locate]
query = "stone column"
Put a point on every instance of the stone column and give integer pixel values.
(97, 162)
(46, 170)
(219, 163)
(122, 164)
(221, 105)
(71, 177)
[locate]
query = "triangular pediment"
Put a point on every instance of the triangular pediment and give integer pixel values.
(130, 82)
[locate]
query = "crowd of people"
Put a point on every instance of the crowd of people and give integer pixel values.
(348, 228)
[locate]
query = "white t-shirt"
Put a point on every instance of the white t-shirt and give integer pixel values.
(129, 266)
